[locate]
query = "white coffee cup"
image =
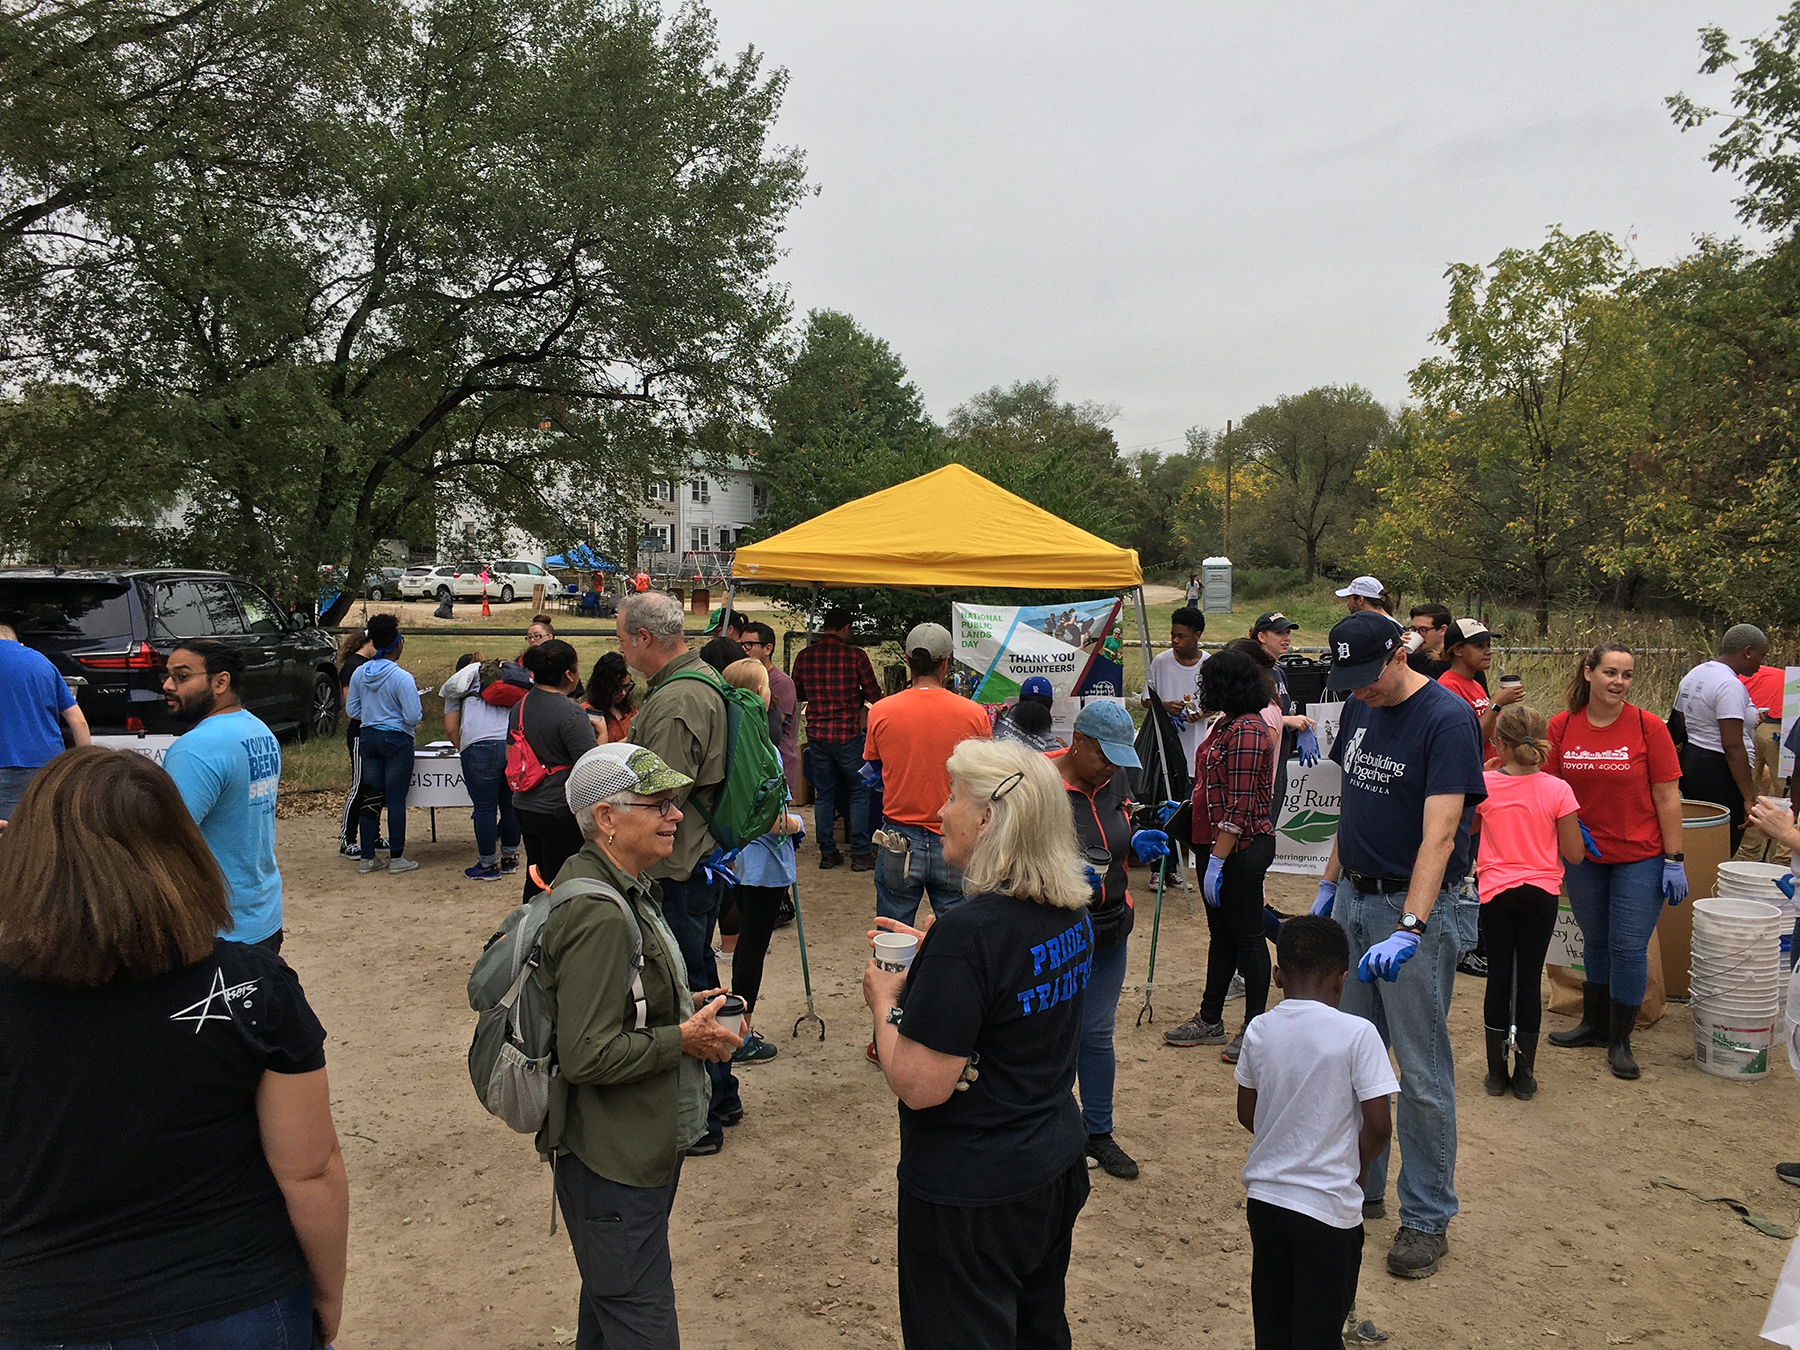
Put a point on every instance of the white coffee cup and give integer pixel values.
(894, 951)
(731, 1015)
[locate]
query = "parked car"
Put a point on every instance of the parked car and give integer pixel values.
(515, 577)
(383, 583)
(110, 634)
(426, 583)
(507, 580)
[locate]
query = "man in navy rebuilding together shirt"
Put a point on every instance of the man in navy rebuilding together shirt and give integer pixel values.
(1410, 751)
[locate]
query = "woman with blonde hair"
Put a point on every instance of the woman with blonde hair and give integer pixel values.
(978, 1039)
(168, 1164)
(1528, 829)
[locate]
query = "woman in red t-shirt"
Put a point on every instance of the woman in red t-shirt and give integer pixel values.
(1622, 765)
(1470, 649)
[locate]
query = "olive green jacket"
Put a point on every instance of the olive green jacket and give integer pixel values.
(684, 723)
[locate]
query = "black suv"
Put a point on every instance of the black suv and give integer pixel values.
(110, 633)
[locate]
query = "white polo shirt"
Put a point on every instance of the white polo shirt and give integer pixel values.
(1709, 692)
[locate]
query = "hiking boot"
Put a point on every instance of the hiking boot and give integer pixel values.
(1361, 1331)
(1374, 1209)
(369, 865)
(483, 872)
(1592, 1028)
(1788, 1172)
(1415, 1255)
(1618, 1043)
(1498, 1079)
(1233, 1049)
(754, 1050)
(401, 865)
(1112, 1159)
(1195, 1032)
(1524, 1082)
(509, 863)
(827, 861)
(862, 862)
(705, 1148)
(731, 1117)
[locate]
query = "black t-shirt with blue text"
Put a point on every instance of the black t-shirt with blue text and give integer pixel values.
(134, 1194)
(1393, 759)
(1001, 979)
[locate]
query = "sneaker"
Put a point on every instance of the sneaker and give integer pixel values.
(1195, 1032)
(1361, 1331)
(827, 861)
(1116, 1162)
(1415, 1255)
(870, 1054)
(1788, 1172)
(1374, 1209)
(509, 863)
(754, 1050)
(731, 1117)
(1472, 963)
(483, 872)
(368, 865)
(1231, 1052)
(705, 1148)
(862, 862)
(350, 851)
(784, 912)
(1236, 989)
(401, 865)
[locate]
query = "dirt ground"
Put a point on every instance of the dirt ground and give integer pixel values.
(786, 1238)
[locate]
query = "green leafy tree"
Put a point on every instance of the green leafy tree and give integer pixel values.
(515, 254)
(1168, 523)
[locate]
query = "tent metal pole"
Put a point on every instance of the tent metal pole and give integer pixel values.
(1162, 766)
(730, 597)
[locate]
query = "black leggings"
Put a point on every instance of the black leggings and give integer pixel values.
(757, 907)
(1516, 926)
(1302, 1277)
(1236, 926)
(551, 838)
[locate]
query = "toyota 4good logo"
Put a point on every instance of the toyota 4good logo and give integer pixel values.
(1311, 827)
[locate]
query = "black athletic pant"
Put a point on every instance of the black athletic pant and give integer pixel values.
(551, 838)
(1517, 925)
(977, 1277)
(757, 907)
(1236, 928)
(621, 1239)
(1706, 777)
(1302, 1278)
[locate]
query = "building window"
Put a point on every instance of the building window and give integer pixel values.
(724, 537)
(658, 538)
(759, 497)
(699, 538)
(662, 490)
(699, 491)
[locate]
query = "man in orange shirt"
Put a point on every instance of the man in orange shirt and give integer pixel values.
(911, 735)
(1764, 685)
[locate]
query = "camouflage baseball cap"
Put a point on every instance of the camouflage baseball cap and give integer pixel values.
(607, 770)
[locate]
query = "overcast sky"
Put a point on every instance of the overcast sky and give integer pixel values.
(1188, 210)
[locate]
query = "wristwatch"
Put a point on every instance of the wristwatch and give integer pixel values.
(894, 1015)
(1674, 857)
(1410, 923)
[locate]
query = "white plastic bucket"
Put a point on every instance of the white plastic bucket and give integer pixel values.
(1733, 915)
(1730, 1046)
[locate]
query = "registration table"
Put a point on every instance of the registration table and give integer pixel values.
(437, 780)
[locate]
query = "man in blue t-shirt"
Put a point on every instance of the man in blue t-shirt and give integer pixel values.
(34, 703)
(228, 769)
(1410, 751)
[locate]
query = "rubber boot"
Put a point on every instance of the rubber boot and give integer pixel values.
(1618, 1045)
(1592, 1029)
(1496, 1080)
(1524, 1082)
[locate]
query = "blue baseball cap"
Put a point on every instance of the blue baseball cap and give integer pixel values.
(1361, 647)
(1037, 687)
(1110, 725)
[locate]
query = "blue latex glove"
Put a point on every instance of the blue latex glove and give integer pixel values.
(1179, 718)
(871, 772)
(1214, 878)
(1593, 849)
(1166, 812)
(1326, 898)
(1675, 882)
(1384, 959)
(1307, 743)
(1148, 844)
(1785, 885)
(1095, 879)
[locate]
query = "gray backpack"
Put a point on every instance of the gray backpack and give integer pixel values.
(513, 1056)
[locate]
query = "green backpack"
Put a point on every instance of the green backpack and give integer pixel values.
(754, 790)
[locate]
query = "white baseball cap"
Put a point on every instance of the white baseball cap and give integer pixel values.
(1367, 587)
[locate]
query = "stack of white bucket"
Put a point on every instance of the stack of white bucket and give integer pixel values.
(1737, 986)
(1756, 881)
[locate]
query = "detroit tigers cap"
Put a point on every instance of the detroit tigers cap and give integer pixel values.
(1361, 646)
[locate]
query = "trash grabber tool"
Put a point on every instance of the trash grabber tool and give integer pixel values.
(1155, 929)
(805, 972)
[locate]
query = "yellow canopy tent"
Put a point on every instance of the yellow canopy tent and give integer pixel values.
(945, 529)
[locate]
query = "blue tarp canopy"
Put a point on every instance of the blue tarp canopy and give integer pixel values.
(583, 557)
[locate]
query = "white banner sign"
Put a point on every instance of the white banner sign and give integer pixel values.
(1074, 646)
(1307, 820)
(437, 780)
(150, 747)
(1790, 713)
(1565, 940)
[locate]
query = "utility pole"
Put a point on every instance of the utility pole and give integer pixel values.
(1228, 458)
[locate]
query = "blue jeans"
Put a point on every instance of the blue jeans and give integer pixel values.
(387, 768)
(484, 775)
(901, 881)
(12, 787)
(1095, 1063)
(1410, 1013)
(692, 908)
(837, 767)
(1617, 906)
(283, 1323)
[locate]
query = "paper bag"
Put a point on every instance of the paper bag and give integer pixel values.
(1565, 989)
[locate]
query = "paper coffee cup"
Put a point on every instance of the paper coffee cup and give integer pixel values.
(1512, 679)
(731, 1014)
(894, 951)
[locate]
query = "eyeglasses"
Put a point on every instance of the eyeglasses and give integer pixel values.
(1426, 627)
(662, 808)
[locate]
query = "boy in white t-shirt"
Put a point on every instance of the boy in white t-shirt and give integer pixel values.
(1313, 1087)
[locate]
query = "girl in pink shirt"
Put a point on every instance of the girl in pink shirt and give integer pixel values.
(1528, 826)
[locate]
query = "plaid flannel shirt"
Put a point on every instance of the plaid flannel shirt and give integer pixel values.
(834, 680)
(1233, 784)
